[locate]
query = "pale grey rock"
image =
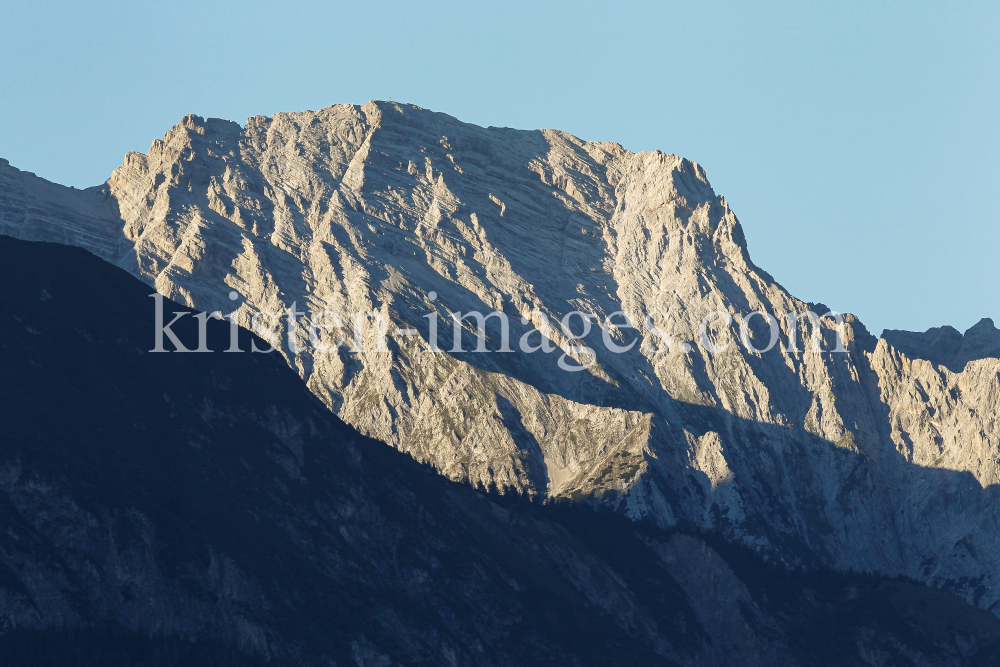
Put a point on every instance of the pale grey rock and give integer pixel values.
(938, 345)
(981, 341)
(945, 346)
(870, 459)
(37, 210)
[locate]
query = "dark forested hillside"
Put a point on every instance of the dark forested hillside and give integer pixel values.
(205, 508)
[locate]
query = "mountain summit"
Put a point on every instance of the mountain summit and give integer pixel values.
(866, 457)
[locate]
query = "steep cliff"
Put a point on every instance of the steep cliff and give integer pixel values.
(868, 458)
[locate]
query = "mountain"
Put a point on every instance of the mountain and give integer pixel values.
(945, 346)
(871, 458)
(179, 509)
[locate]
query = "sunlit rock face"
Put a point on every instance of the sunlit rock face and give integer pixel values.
(868, 458)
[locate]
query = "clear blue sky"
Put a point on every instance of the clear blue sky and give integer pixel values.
(857, 142)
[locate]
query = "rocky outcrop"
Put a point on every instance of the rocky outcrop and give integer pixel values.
(945, 346)
(865, 458)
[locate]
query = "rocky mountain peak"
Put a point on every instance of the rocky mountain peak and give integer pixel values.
(714, 409)
(945, 346)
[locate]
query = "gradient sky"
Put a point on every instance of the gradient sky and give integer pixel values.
(857, 142)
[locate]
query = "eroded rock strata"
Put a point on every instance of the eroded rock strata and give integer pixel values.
(871, 459)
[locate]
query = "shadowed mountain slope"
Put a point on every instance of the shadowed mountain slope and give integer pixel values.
(210, 502)
(945, 346)
(870, 459)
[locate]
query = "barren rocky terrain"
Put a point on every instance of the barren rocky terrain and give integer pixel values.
(884, 457)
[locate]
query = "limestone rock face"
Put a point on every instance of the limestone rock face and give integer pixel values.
(866, 456)
(945, 346)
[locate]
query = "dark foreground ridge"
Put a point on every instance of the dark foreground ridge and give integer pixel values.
(187, 509)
